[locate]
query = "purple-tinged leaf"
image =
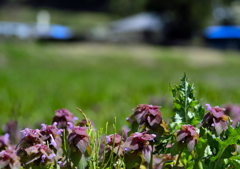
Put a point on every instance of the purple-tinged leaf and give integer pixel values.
(181, 135)
(191, 144)
(147, 153)
(81, 143)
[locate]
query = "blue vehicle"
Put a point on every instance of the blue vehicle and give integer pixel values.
(223, 37)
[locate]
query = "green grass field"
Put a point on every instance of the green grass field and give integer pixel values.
(107, 80)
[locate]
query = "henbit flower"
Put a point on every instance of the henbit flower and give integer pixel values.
(9, 159)
(188, 135)
(4, 142)
(43, 158)
(140, 142)
(60, 131)
(118, 142)
(79, 138)
(12, 128)
(215, 119)
(39, 153)
(53, 141)
(70, 126)
(51, 134)
(148, 114)
(150, 119)
(233, 111)
(30, 137)
(31, 132)
(63, 116)
(124, 129)
(50, 157)
(44, 127)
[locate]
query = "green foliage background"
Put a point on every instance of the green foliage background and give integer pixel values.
(107, 80)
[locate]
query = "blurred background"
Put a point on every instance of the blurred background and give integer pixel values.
(108, 56)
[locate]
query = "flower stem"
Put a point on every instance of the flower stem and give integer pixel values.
(179, 156)
(151, 160)
(200, 155)
(65, 146)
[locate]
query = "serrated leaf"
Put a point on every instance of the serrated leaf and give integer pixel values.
(184, 102)
(223, 149)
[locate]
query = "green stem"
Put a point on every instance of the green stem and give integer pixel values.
(179, 156)
(185, 104)
(151, 160)
(65, 146)
(200, 155)
(200, 165)
(104, 145)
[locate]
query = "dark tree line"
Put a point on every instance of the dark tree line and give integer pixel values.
(188, 16)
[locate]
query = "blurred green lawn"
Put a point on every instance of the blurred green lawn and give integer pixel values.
(107, 80)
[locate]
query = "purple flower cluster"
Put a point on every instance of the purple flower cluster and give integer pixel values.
(118, 145)
(78, 138)
(150, 119)
(215, 119)
(4, 142)
(63, 116)
(233, 111)
(9, 159)
(140, 142)
(188, 135)
(52, 135)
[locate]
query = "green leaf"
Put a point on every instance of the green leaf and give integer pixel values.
(134, 127)
(201, 146)
(79, 160)
(162, 144)
(223, 147)
(133, 159)
(82, 163)
(186, 108)
(176, 148)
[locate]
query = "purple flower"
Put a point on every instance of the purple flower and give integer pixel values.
(12, 128)
(108, 146)
(39, 153)
(233, 111)
(79, 138)
(124, 129)
(63, 116)
(70, 126)
(4, 142)
(148, 114)
(75, 119)
(43, 158)
(51, 156)
(44, 127)
(150, 119)
(140, 142)
(60, 131)
(30, 137)
(188, 135)
(53, 141)
(51, 134)
(109, 142)
(215, 119)
(8, 159)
